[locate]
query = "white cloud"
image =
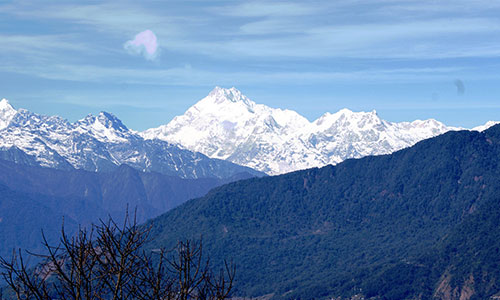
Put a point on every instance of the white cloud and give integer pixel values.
(145, 43)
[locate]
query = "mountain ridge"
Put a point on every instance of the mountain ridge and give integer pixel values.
(99, 143)
(228, 125)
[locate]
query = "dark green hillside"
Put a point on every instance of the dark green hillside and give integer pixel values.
(465, 263)
(325, 232)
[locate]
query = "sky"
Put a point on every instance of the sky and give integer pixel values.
(148, 61)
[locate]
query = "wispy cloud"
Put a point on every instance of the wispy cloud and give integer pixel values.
(189, 76)
(46, 49)
(144, 43)
(429, 39)
(108, 17)
(36, 44)
(267, 9)
(242, 35)
(297, 29)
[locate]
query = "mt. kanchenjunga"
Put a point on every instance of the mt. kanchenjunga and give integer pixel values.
(98, 143)
(227, 125)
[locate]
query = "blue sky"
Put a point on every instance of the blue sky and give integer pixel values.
(406, 59)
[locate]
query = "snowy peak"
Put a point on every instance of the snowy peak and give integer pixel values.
(103, 119)
(110, 121)
(485, 126)
(225, 122)
(347, 118)
(7, 113)
(224, 98)
(105, 127)
(232, 95)
(5, 105)
(27, 119)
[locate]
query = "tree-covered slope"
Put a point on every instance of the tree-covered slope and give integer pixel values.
(464, 264)
(315, 233)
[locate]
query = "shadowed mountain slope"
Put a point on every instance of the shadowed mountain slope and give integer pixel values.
(34, 198)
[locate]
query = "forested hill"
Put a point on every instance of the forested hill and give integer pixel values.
(359, 226)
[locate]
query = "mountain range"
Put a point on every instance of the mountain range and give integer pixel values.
(227, 125)
(421, 223)
(35, 198)
(223, 134)
(98, 143)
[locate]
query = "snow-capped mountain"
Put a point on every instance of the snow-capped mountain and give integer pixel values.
(485, 126)
(98, 143)
(227, 125)
(7, 112)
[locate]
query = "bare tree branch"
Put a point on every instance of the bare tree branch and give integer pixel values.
(108, 262)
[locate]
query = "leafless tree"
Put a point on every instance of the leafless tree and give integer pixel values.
(108, 262)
